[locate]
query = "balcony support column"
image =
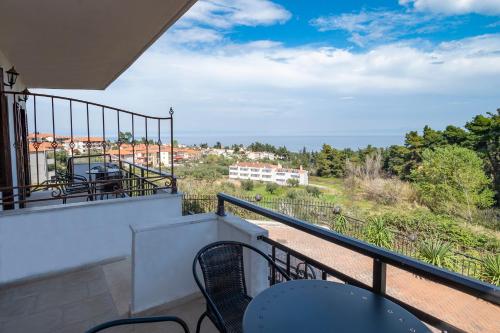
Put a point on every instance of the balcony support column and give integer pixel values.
(379, 276)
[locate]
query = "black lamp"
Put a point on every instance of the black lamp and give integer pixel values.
(12, 75)
(24, 95)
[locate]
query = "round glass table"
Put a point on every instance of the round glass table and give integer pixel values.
(323, 306)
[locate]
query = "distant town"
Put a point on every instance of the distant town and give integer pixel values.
(43, 146)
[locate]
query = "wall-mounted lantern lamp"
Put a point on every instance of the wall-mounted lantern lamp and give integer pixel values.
(12, 75)
(24, 96)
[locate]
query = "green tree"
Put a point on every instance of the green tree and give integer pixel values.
(330, 162)
(271, 188)
(485, 137)
(451, 180)
(125, 137)
(293, 182)
(456, 136)
(396, 161)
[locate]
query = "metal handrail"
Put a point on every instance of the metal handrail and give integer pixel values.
(19, 93)
(381, 256)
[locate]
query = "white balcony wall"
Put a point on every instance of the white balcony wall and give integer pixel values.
(163, 254)
(44, 240)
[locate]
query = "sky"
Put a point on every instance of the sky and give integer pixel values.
(317, 67)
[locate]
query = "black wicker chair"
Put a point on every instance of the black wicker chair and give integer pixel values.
(143, 320)
(225, 289)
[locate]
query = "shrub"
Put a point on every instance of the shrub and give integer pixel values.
(491, 269)
(339, 224)
(378, 233)
(388, 191)
(435, 252)
(313, 190)
(292, 194)
(247, 185)
(271, 188)
(292, 182)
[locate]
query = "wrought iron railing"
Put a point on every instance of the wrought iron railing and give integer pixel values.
(52, 132)
(325, 214)
(302, 266)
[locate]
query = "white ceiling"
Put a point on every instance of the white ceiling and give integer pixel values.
(81, 44)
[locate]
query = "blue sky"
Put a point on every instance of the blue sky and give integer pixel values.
(319, 67)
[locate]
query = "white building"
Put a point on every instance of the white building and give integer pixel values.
(260, 155)
(267, 173)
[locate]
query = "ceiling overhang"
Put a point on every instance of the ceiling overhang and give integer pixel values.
(81, 44)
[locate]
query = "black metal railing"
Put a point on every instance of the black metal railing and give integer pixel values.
(51, 132)
(380, 259)
(327, 214)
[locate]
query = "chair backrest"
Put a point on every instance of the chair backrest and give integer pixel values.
(223, 270)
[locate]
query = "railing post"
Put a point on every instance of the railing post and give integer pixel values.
(273, 269)
(142, 182)
(220, 207)
(379, 276)
(174, 185)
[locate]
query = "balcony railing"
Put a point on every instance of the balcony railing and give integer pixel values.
(302, 266)
(54, 135)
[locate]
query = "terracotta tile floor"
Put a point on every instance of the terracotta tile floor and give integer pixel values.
(459, 309)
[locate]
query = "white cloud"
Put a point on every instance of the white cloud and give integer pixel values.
(367, 27)
(229, 13)
(455, 7)
(208, 20)
(194, 35)
(266, 86)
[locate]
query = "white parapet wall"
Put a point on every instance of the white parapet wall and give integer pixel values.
(45, 240)
(163, 254)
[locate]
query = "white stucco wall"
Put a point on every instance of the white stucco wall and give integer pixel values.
(44, 240)
(163, 254)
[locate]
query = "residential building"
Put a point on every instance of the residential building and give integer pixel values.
(260, 155)
(267, 173)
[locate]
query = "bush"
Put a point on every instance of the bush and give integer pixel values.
(313, 190)
(292, 194)
(435, 252)
(388, 191)
(271, 188)
(378, 233)
(247, 185)
(491, 269)
(339, 224)
(430, 225)
(292, 182)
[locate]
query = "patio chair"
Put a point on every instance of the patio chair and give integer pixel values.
(72, 184)
(142, 320)
(225, 288)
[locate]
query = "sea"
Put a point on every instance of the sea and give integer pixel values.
(296, 143)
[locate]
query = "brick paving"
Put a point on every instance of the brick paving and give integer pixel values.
(459, 309)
